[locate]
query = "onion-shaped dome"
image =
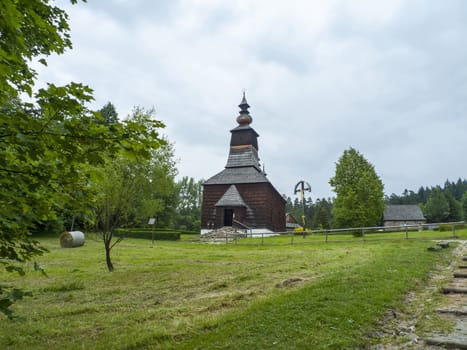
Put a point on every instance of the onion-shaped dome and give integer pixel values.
(244, 118)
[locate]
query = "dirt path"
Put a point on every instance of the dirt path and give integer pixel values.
(436, 317)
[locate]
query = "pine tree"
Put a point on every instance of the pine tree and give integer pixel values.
(464, 205)
(109, 113)
(437, 206)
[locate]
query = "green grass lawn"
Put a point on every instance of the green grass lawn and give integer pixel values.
(187, 295)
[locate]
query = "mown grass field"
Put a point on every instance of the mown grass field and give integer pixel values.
(188, 295)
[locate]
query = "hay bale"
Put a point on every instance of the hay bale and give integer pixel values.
(71, 239)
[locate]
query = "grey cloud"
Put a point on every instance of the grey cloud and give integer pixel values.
(389, 81)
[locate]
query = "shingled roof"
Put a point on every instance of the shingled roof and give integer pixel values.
(231, 198)
(246, 156)
(242, 175)
(403, 212)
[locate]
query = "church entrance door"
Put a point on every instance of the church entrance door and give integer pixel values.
(228, 217)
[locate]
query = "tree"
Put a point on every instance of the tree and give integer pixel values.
(456, 189)
(464, 205)
(188, 212)
(29, 28)
(310, 209)
(109, 113)
(119, 185)
(437, 206)
(322, 218)
(162, 171)
(422, 195)
(455, 208)
(49, 144)
(129, 189)
(359, 198)
(452, 192)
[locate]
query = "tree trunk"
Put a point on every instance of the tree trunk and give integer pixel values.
(107, 257)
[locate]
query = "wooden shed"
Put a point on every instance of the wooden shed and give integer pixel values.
(241, 195)
(403, 214)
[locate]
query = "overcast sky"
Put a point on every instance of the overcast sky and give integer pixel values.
(388, 78)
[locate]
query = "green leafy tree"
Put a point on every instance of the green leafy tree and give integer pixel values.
(188, 212)
(131, 189)
(116, 196)
(359, 198)
(49, 144)
(162, 171)
(455, 208)
(436, 208)
(28, 29)
(158, 195)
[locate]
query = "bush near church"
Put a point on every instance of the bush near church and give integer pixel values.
(160, 234)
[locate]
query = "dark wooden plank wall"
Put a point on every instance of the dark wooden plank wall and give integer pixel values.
(267, 207)
(211, 194)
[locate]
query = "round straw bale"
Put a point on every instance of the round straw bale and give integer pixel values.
(71, 239)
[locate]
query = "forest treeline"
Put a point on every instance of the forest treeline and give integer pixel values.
(181, 202)
(447, 203)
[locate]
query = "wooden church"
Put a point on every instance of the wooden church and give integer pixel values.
(241, 196)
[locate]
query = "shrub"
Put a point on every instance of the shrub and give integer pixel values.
(158, 229)
(448, 227)
(357, 233)
(146, 234)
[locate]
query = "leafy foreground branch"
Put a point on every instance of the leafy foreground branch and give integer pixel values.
(47, 145)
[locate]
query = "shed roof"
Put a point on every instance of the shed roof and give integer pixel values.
(290, 221)
(403, 212)
(290, 218)
(231, 198)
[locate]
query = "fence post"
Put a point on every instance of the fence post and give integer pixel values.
(327, 231)
(291, 237)
(262, 238)
(406, 232)
(363, 235)
(453, 230)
